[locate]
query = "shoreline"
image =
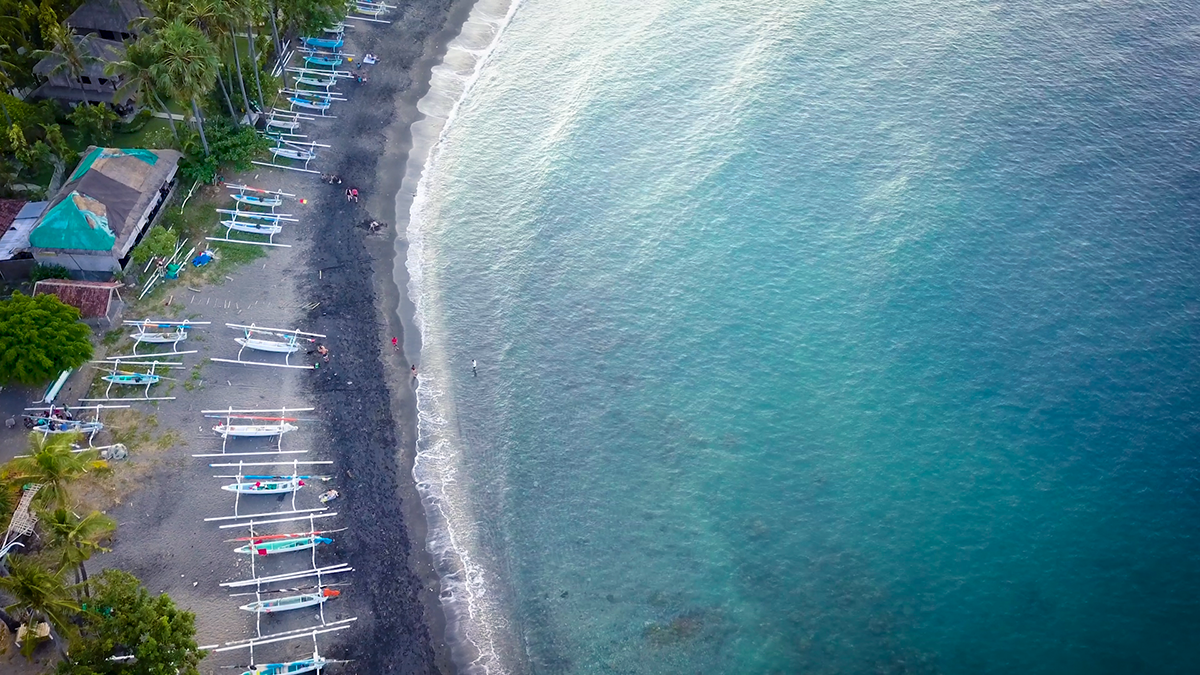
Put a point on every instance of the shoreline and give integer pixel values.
(369, 283)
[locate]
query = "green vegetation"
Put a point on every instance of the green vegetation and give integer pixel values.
(110, 614)
(95, 122)
(159, 242)
(123, 618)
(52, 463)
(44, 271)
(40, 337)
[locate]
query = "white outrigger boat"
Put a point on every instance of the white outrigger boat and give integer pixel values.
(291, 602)
(267, 485)
(176, 332)
(255, 337)
(324, 82)
(269, 229)
(228, 430)
(234, 423)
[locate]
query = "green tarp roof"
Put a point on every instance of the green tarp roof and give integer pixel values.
(76, 222)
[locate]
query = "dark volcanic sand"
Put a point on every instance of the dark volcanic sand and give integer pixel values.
(385, 542)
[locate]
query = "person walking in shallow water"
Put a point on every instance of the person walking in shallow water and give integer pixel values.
(414, 371)
(474, 370)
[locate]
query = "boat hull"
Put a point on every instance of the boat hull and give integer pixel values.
(290, 603)
(253, 430)
(282, 546)
(291, 153)
(252, 228)
(265, 487)
(258, 201)
(268, 345)
(132, 380)
(312, 105)
(288, 668)
(160, 338)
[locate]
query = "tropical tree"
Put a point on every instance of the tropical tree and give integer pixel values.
(38, 594)
(70, 53)
(123, 619)
(53, 463)
(40, 337)
(187, 59)
(96, 121)
(140, 79)
(76, 539)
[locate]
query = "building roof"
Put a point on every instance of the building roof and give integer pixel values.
(9, 208)
(105, 51)
(15, 238)
(58, 92)
(110, 15)
(100, 205)
(91, 297)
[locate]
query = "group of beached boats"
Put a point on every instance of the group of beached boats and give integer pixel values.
(233, 424)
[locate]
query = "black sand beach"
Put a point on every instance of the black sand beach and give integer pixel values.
(358, 299)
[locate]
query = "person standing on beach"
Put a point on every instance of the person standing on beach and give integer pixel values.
(349, 194)
(395, 344)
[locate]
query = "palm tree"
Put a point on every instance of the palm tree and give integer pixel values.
(70, 54)
(53, 463)
(39, 593)
(187, 59)
(139, 77)
(6, 82)
(77, 538)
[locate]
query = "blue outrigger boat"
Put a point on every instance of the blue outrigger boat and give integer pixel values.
(325, 43)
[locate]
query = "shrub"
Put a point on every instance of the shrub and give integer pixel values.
(43, 271)
(95, 122)
(158, 242)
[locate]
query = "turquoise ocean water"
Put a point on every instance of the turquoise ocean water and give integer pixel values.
(814, 337)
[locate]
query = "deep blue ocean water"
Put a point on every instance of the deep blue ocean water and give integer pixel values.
(813, 337)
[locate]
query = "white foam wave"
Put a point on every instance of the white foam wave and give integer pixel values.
(476, 627)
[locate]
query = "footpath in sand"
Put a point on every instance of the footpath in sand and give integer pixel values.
(336, 280)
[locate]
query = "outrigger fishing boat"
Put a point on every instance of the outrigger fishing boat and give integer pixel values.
(291, 602)
(267, 485)
(256, 200)
(284, 543)
(323, 61)
(288, 668)
(324, 82)
(227, 428)
(171, 332)
(324, 43)
(57, 425)
(297, 154)
(311, 104)
(268, 229)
